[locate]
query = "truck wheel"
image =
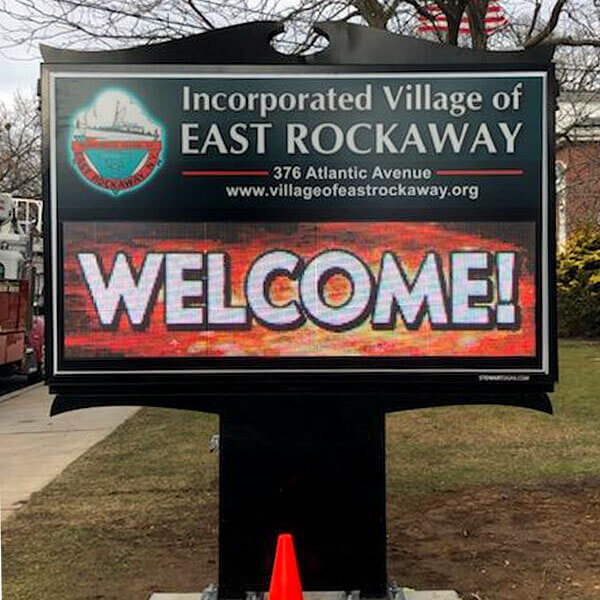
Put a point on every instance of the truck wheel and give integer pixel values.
(40, 372)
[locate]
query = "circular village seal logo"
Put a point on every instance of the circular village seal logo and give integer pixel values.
(116, 146)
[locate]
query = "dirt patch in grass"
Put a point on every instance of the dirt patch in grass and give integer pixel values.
(501, 543)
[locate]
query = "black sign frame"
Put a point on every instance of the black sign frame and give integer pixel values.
(352, 49)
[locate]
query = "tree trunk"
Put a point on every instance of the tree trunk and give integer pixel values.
(477, 10)
(372, 12)
(453, 10)
(453, 28)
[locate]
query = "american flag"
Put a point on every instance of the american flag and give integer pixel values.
(495, 18)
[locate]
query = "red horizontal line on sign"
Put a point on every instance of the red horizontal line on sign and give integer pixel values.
(480, 172)
(224, 173)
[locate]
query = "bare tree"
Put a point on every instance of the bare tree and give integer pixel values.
(573, 26)
(20, 172)
(112, 23)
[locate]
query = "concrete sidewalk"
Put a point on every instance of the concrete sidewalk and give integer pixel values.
(35, 448)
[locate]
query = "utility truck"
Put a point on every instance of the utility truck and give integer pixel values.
(21, 293)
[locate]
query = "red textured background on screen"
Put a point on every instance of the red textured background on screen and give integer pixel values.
(85, 338)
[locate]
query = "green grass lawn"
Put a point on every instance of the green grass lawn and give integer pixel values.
(135, 514)
(449, 448)
(138, 512)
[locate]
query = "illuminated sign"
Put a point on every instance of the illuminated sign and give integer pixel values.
(344, 289)
(243, 222)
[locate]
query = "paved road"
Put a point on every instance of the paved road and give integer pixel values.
(35, 448)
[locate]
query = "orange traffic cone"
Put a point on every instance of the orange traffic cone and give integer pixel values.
(285, 579)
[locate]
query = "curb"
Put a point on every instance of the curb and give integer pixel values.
(23, 390)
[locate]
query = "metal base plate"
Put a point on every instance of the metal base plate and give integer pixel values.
(396, 593)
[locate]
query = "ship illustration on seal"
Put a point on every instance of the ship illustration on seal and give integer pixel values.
(116, 145)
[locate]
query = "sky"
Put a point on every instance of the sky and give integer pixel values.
(19, 67)
(17, 75)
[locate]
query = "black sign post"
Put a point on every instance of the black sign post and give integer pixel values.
(318, 474)
(301, 245)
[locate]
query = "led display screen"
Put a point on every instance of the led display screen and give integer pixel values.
(299, 289)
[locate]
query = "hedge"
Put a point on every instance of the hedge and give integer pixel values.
(578, 285)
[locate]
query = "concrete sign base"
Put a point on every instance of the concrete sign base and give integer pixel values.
(431, 595)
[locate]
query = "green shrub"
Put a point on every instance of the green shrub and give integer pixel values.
(578, 286)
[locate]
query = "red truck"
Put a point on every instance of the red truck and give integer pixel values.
(21, 325)
(21, 333)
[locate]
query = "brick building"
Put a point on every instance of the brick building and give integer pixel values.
(577, 163)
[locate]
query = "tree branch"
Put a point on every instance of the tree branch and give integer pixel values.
(571, 41)
(202, 16)
(534, 19)
(549, 28)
